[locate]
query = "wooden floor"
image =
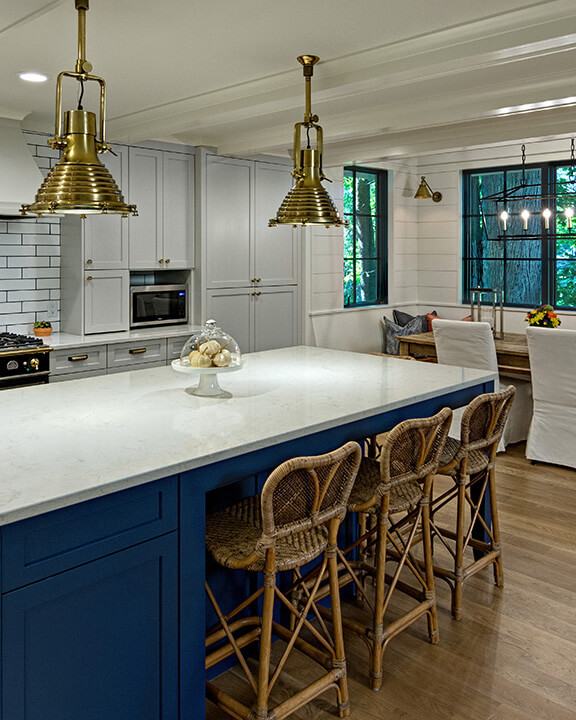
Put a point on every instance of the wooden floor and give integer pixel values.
(512, 657)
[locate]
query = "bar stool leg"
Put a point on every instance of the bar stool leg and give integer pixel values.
(261, 710)
(429, 569)
(339, 652)
(459, 556)
(498, 566)
(377, 640)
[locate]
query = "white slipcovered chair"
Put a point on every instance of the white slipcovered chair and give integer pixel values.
(471, 344)
(553, 364)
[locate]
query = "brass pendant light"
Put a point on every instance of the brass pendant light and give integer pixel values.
(308, 203)
(79, 183)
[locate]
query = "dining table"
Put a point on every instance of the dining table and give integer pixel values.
(511, 351)
(104, 491)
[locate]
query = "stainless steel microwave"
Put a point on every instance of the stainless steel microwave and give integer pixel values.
(158, 305)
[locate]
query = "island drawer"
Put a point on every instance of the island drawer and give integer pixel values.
(47, 544)
(136, 353)
(76, 360)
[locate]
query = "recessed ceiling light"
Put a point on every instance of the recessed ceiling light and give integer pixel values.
(33, 77)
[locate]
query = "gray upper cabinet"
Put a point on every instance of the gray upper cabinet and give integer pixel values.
(252, 271)
(162, 187)
(105, 237)
(241, 196)
(275, 256)
(229, 195)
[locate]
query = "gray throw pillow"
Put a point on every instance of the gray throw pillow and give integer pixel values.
(402, 319)
(392, 346)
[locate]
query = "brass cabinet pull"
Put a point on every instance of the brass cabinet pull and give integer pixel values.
(77, 358)
(257, 293)
(137, 351)
(258, 279)
(167, 261)
(88, 262)
(161, 260)
(89, 277)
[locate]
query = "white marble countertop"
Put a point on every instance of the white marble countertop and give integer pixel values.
(63, 443)
(67, 340)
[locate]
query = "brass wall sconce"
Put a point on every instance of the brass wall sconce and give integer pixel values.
(79, 183)
(308, 203)
(425, 192)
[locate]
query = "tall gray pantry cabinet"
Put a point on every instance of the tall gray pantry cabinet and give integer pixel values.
(250, 271)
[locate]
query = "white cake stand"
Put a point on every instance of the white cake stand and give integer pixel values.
(208, 383)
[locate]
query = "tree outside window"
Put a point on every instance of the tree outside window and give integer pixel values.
(365, 241)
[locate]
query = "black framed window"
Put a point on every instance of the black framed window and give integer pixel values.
(365, 239)
(533, 271)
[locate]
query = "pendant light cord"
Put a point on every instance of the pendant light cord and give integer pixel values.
(81, 95)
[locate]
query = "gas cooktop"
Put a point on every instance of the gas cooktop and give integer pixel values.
(13, 341)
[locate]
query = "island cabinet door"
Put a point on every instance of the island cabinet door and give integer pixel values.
(99, 641)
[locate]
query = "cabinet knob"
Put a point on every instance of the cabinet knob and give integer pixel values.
(167, 261)
(88, 262)
(257, 293)
(89, 277)
(258, 279)
(161, 261)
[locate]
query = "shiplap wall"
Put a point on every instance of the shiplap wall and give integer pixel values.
(327, 323)
(30, 258)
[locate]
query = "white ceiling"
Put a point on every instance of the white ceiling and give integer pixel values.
(395, 78)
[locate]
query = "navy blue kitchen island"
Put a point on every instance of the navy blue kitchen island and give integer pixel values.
(103, 567)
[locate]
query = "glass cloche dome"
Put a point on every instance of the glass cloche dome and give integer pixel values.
(210, 348)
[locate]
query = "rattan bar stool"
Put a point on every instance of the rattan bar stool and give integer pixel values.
(294, 521)
(391, 497)
(470, 463)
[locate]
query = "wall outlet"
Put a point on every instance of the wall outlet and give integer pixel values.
(52, 310)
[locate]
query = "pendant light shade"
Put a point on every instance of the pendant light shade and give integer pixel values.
(79, 183)
(308, 203)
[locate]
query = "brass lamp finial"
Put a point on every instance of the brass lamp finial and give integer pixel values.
(79, 183)
(308, 203)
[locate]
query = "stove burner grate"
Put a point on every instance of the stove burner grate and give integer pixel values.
(13, 341)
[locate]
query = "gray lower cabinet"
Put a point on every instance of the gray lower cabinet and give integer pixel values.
(92, 360)
(261, 318)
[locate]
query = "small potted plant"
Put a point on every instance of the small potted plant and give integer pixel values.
(42, 328)
(544, 316)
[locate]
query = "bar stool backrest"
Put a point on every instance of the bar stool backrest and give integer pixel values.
(483, 421)
(308, 491)
(412, 450)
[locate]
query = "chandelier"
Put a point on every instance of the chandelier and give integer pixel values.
(79, 183)
(308, 203)
(517, 208)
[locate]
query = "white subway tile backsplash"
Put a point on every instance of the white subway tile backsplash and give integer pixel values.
(10, 273)
(37, 305)
(17, 285)
(27, 295)
(29, 260)
(18, 318)
(48, 250)
(41, 272)
(44, 239)
(19, 250)
(48, 284)
(25, 226)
